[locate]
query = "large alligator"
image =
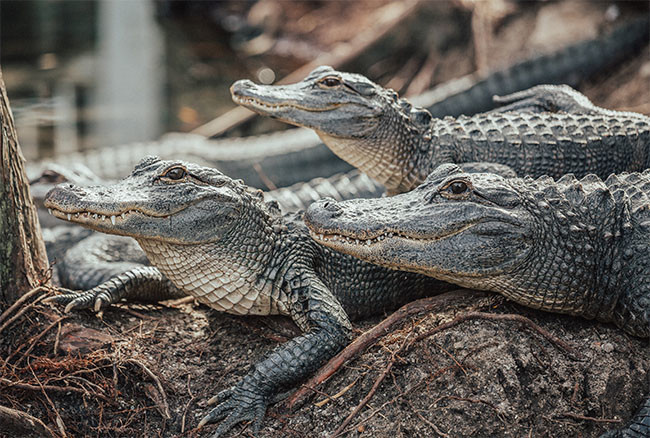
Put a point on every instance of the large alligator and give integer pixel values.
(399, 145)
(287, 157)
(214, 238)
(572, 246)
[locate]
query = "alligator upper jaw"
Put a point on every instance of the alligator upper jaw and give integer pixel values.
(266, 102)
(99, 220)
(378, 238)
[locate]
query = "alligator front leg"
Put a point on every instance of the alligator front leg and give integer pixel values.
(141, 283)
(326, 331)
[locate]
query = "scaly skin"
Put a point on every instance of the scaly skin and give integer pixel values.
(399, 145)
(572, 246)
(216, 239)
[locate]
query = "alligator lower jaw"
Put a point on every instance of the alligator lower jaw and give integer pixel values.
(91, 218)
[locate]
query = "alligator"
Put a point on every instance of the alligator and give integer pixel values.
(291, 156)
(399, 145)
(214, 238)
(573, 246)
(83, 259)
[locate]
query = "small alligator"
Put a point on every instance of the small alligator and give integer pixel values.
(399, 145)
(573, 246)
(212, 237)
(297, 155)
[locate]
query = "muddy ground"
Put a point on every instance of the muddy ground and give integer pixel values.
(149, 370)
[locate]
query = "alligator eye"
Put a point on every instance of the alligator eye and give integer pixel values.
(458, 187)
(175, 173)
(330, 81)
(455, 189)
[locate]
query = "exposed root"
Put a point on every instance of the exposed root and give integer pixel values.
(22, 421)
(371, 336)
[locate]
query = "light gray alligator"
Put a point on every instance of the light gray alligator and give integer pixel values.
(572, 246)
(549, 130)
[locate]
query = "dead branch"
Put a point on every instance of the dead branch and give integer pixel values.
(386, 18)
(371, 336)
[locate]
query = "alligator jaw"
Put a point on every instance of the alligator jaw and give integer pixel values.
(107, 222)
(266, 108)
(357, 244)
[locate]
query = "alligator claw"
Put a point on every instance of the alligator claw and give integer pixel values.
(90, 299)
(237, 404)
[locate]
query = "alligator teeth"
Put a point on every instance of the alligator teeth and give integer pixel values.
(103, 217)
(76, 215)
(49, 210)
(69, 216)
(113, 220)
(123, 215)
(95, 216)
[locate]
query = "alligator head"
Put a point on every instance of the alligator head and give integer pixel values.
(368, 126)
(524, 238)
(207, 233)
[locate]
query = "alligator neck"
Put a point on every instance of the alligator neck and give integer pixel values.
(387, 154)
(235, 281)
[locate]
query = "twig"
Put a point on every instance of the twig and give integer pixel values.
(29, 387)
(385, 19)
(59, 421)
(33, 342)
(22, 420)
(323, 402)
(372, 391)
(20, 301)
(164, 409)
(187, 406)
(20, 313)
(582, 417)
(374, 334)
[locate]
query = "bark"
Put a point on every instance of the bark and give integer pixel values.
(23, 262)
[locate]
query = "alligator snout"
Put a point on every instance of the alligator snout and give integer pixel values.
(322, 211)
(238, 87)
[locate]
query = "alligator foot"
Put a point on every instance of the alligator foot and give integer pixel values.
(243, 402)
(96, 298)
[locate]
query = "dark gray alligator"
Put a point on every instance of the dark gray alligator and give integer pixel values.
(211, 237)
(82, 261)
(287, 157)
(573, 246)
(399, 145)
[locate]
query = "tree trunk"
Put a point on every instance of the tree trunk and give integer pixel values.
(23, 262)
